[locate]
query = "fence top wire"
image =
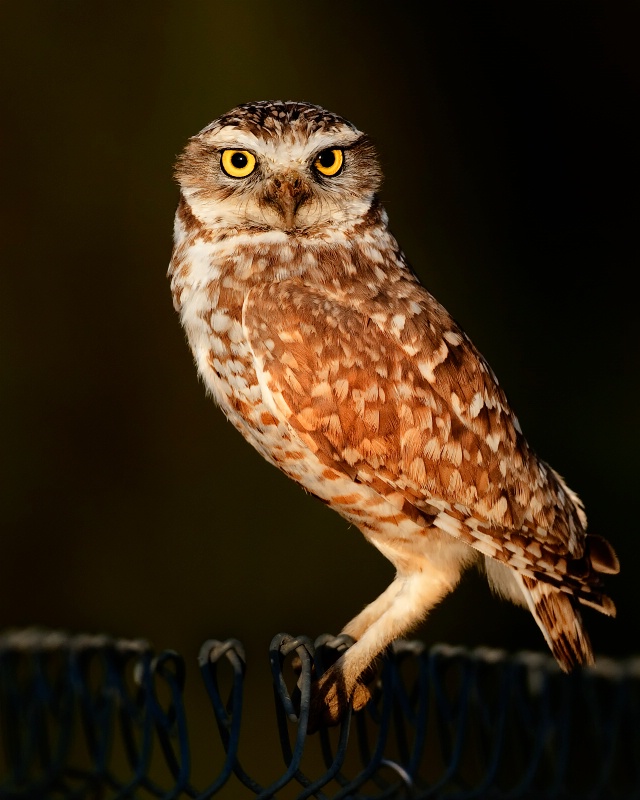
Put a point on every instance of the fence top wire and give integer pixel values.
(442, 723)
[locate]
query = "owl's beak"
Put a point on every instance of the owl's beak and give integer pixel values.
(285, 194)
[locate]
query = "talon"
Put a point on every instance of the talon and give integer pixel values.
(361, 696)
(330, 700)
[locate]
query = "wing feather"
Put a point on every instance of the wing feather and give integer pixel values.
(391, 391)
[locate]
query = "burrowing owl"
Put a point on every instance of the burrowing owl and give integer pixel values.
(323, 349)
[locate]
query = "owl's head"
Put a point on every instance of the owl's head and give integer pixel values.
(284, 165)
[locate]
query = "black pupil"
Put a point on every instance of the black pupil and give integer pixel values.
(327, 158)
(239, 160)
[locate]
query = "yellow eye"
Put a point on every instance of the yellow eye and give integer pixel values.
(238, 163)
(329, 162)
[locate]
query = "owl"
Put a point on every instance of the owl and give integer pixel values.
(318, 342)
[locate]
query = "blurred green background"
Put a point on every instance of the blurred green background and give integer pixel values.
(509, 139)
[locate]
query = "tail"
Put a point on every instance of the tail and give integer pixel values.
(555, 603)
(560, 621)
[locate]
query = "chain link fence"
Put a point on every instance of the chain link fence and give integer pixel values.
(91, 717)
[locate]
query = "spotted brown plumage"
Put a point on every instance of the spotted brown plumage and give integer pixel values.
(321, 346)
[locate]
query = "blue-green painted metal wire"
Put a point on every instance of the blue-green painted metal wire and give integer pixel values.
(443, 723)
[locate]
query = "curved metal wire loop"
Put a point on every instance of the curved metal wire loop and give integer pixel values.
(443, 723)
(228, 712)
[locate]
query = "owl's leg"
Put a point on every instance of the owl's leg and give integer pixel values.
(402, 606)
(373, 611)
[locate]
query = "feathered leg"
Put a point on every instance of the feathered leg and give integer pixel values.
(402, 606)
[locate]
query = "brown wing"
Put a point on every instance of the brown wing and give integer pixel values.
(392, 391)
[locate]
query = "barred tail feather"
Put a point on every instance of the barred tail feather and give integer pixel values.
(559, 619)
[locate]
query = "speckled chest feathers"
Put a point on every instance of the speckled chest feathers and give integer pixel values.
(323, 349)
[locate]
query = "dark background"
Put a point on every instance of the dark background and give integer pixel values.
(508, 136)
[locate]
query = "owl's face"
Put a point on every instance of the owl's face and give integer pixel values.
(279, 165)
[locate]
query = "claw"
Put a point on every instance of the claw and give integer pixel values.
(331, 698)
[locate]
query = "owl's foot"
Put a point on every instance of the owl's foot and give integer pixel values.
(331, 696)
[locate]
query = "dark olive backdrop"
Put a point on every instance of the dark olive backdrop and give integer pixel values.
(508, 136)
